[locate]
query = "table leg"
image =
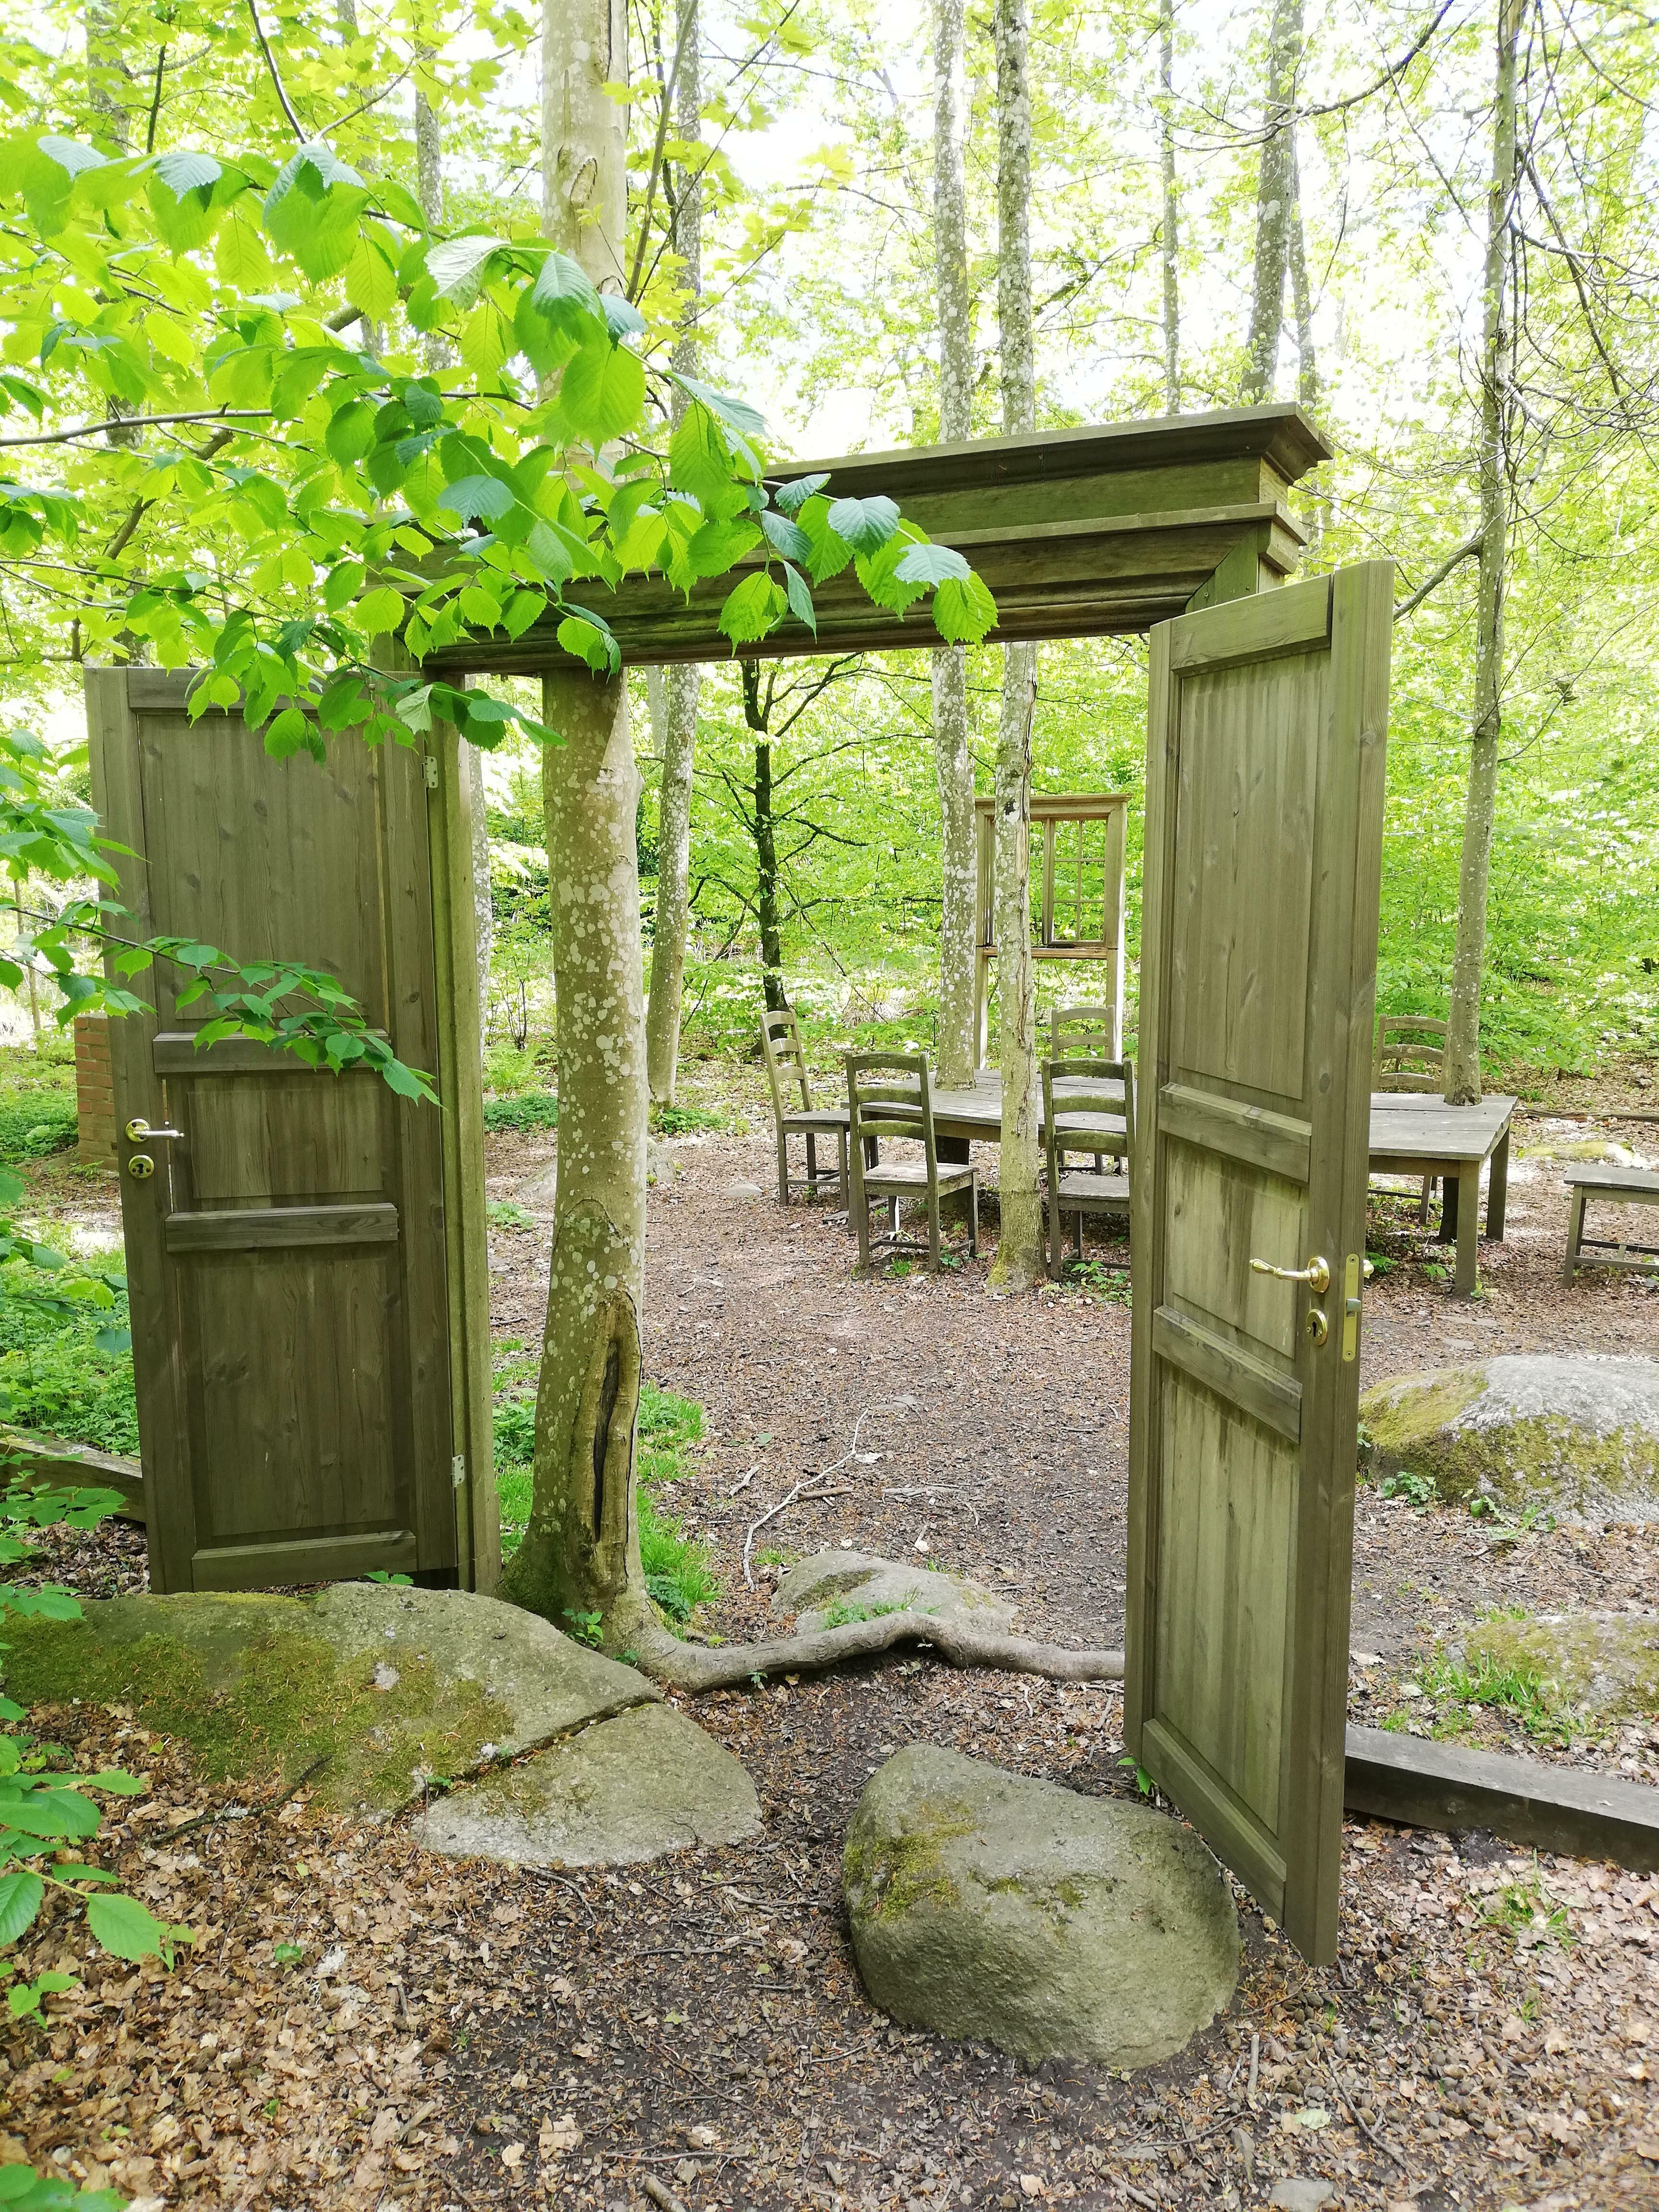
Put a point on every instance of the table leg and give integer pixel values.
(1468, 1187)
(1497, 1189)
(1448, 1189)
(954, 1151)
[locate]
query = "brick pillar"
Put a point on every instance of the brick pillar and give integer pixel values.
(94, 1094)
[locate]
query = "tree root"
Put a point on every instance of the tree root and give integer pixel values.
(701, 1668)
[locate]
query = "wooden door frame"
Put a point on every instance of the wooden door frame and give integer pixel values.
(1349, 603)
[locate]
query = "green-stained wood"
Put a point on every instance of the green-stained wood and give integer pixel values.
(1263, 839)
(1095, 531)
(288, 1259)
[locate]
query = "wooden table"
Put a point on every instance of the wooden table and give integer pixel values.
(1411, 1135)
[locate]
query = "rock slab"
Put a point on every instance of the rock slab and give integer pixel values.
(647, 1783)
(1576, 1434)
(1005, 1910)
(385, 1686)
(1606, 1664)
(838, 1586)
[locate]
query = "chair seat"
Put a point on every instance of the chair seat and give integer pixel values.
(1094, 1190)
(893, 1178)
(1084, 1132)
(1639, 1184)
(807, 1120)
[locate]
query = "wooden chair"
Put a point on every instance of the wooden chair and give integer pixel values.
(1084, 1030)
(1410, 1054)
(1094, 1115)
(889, 1095)
(786, 1070)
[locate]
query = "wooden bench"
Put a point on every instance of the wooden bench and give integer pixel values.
(1622, 1187)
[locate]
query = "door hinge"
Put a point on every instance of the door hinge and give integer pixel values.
(457, 1471)
(429, 766)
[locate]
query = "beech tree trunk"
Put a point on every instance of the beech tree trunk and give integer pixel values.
(957, 1052)
(684, 684)
(1273, 202)
(1170, 237)
(1468, 959)
(581, 1550)
(1019, 1247)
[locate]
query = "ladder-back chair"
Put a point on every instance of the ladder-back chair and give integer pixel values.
(1088, 1107)
(1092, 1030)
(889, 1095)
(786, 1071)
(1410, 1054)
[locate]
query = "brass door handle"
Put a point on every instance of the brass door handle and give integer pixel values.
(1317, 1274)
(140, 1131)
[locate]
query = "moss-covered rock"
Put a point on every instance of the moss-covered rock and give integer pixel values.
(383, 1686)
(1576, 1434)
(833, 1587)
(990, 1907)
(1604, 1664)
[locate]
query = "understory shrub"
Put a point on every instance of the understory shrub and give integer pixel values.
(526, 1109)
(69, 1375)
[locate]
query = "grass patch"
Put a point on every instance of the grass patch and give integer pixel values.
(678, 1573)
(681, 1120)
(1458, 1693)
(36, 1100)
(529, 1110)
(845, 1611)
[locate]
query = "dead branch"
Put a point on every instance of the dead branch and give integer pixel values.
(700, 1668)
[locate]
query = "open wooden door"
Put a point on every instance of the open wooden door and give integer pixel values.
(305, 1251)
(1263, 843)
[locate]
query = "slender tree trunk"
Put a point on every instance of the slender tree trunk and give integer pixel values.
(1307, 358)
(662, 1019)
(1019, 1246)
(1463, 1039)
(581, 1553)
(1169, 239)
(957, 1051)
(766, 880)
(109, 77)
(581, 1549)
(1273, 202)
(953, 760)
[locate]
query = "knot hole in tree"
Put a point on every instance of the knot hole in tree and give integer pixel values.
(605, 1435)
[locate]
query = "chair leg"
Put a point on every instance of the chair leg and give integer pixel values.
(932, 1229)
(893, 1216)
(811, 1164)
(861, 1225)
(1423, 1202)
(783, 1168)
(1575, 1235)
(1056, 1237)
(972, 1216)
(841, 1152)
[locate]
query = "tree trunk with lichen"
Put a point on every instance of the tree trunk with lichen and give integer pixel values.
(580, 1554)
(685, 682)
(1020, 1241)
(581, 1549)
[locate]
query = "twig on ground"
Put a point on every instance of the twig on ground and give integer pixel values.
(743, 1480)
(215, 1813)
(1370, 2133)
(801, 1489)
(661, 2194)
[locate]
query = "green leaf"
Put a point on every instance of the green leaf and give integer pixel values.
(312, 209)
(127, 1929)
(865, 525)
(602, 391)
(456, 266)
(477, 498)
(587, 642)
(371, 282)
(50, 1812)
(964, 610)
(350, 432)
(931, 564)
(736, 414)
(792, 496)
(20, 1896)
(786, 537)
(563, 291)
(522, 611)
(830, 553)
(800, 599)
(698, 459)
(752, 609)
(382, 609)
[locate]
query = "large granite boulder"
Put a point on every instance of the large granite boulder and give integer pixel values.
(388, 1687)
(645, 1783)
(1575, 1433)
(1603, 1664)
(1005, 1910)
(831, 1587)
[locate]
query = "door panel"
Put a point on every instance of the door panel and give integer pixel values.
(1264, 757)
(288, 1261)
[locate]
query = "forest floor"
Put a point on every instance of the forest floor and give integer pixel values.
(694, 2029)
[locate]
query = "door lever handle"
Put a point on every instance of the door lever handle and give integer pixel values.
(140, 1131)
(1317, 1274)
